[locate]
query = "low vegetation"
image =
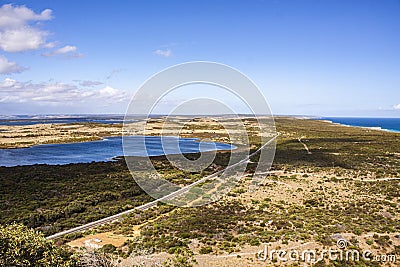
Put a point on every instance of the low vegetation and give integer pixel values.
(340, 186)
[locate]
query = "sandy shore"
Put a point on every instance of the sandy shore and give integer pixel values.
(30, 135)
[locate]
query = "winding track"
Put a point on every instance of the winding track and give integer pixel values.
(154, 203)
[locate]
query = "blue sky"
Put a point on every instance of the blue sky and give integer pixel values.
(330, 58)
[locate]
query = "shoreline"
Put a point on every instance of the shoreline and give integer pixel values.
(116, 157)
(376, 128)
(32, 135)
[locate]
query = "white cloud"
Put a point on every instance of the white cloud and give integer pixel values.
(50, 45)
(108, 91)
(68, 50)
(22, 39)
(12, 91)
(20, 31)
(16, 30)
(7, 67)
(163, 53)
(9, 84)
(12, 17)
(397, 107)
(87, 83)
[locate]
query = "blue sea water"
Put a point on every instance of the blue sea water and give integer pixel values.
(105, 150)
(31, 120)
(388, 124)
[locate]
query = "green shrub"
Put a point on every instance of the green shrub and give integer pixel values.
(206, 250)
(108, 248)
(21, 246)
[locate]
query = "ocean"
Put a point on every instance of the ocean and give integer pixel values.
(47, 119)
(387, 124)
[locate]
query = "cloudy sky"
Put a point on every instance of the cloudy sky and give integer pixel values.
(308, 57)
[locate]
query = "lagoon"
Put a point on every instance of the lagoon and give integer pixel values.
(105, 150)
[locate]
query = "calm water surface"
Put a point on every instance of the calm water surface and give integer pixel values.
(105, 150)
